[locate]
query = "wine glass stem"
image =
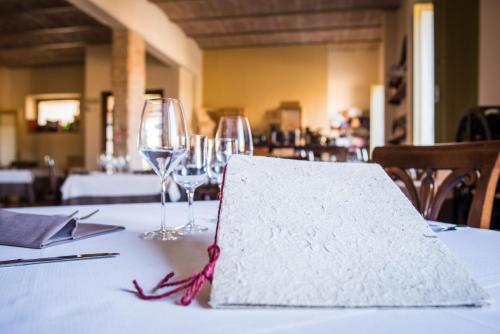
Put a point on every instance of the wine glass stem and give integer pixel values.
(163, 227)
(190, 196)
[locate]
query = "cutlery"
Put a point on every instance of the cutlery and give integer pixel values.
(23, 262)
(84, 217)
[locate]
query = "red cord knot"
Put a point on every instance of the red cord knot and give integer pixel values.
(191, 285)
(213, 256)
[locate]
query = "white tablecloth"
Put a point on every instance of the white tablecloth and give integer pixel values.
(95, 296)
(97, 184)
(20, 176)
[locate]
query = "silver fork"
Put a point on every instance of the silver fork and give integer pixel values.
(83, 217)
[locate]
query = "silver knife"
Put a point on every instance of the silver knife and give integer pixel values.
(24, 262)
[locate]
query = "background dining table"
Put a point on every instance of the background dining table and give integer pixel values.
(96, 296)
(17, 182)
(125, 185)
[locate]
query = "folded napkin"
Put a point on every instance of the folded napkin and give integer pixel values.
(39, 231)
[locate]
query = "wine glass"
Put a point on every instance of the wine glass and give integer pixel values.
(106, 162)
(238, 128)
(220, 151)
(190, 174)
(162, 143)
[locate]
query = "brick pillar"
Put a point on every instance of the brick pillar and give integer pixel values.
(128, 82)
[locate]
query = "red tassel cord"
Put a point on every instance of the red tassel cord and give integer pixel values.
(191, 285)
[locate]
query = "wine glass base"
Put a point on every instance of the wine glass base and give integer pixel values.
(190, 229)
(161, 235)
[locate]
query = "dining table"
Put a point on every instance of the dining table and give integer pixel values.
(99, 187)
(97, 296)
(17, 182)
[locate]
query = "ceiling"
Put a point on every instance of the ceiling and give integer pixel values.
(245, 23)
(43, 32)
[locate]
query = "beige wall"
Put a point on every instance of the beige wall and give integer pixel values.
(489, 52)
(88, 80)
(258, 79)
(160, 76)
(21, 82)
(186, 90)
(351, 72)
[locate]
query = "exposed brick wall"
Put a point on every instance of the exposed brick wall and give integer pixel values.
(128, 82)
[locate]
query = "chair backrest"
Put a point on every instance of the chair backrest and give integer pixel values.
(479, 123)
(475, 163)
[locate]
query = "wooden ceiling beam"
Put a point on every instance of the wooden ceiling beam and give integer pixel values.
(171, 1)
(43, 61)
(42, 12)
(193, 10)
(286, 30)
(199, 19)
(42, 47)
(296, 37)
(34, 33)
(290, 43)
(52, 31)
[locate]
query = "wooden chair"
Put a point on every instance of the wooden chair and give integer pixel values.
(479, 123)
(476, 163)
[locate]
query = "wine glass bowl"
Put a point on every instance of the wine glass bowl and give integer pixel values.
(162, 143)
(220, 150)
(237, 128)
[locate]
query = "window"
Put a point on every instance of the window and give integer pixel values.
(58, 114)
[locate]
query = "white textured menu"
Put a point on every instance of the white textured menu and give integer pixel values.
(312, 234)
